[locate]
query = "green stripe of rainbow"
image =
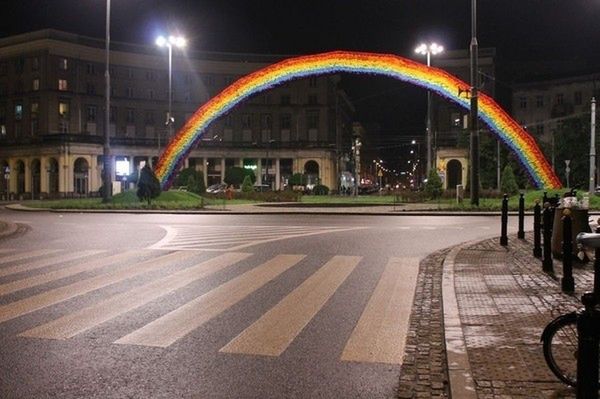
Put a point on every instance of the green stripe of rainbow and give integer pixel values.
(434, 79)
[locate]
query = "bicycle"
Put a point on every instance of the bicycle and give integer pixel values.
(560, 337)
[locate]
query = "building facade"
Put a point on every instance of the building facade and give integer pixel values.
(541, 105)
(52, 113)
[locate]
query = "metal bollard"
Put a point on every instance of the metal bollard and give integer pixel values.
(588, 323)
(567, 282)
(521, 232)
(597, 271)
(547, 264)
(504, 221)
(537, 239)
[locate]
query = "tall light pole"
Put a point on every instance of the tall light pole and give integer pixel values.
(179, 42)
(474, 181)
(592, 187)
(107, 170)
(428, 50)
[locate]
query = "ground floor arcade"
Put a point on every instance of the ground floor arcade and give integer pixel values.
(75, 170)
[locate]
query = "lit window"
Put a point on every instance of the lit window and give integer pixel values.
(63, 109)
(18, 112)
(63, 64)
(35, 109)
(35, 84)
(62, 85)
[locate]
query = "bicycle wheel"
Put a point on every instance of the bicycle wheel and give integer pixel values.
(560, 347)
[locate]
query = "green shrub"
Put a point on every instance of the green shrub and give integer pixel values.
(298, 179)
(247, 185)
(508, 183)
(433, 187)
(235, 175)
(148, 185)
(320, 189)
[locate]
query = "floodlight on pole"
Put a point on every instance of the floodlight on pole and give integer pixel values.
(172, 41)
(428, 50)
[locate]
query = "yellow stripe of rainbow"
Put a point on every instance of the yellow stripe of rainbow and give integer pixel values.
(437, 80)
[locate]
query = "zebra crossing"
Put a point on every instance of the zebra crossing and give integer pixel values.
(234, 238)
(377, 337)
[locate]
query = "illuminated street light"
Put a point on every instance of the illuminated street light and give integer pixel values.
(428, 51)
(179, 42)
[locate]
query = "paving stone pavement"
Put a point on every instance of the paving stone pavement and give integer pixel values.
(504, 301)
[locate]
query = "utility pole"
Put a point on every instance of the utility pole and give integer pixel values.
(107, 176)
(592, 187)
(474, 109)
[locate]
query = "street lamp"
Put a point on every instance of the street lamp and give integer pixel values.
(474, 109)
(179, 42)
(107, 173)
(428, 50)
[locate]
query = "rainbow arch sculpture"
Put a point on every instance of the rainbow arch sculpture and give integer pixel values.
(431, 78)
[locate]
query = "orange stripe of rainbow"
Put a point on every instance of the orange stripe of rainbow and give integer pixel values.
(431, 78)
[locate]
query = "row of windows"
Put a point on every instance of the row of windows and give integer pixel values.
(34, 65)
(130, 92)
(246, 120)
(63, 64)
(559, 99)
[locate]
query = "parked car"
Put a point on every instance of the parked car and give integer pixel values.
(216, 188)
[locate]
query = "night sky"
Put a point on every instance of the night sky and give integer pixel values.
(555, 31)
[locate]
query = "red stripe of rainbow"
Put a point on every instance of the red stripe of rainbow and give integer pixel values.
(431, 78)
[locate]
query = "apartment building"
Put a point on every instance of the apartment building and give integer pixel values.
(52, 113)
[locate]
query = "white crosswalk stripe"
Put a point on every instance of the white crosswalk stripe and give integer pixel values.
(378, 336)
(234, 238)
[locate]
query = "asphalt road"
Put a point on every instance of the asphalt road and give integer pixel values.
(212, 306)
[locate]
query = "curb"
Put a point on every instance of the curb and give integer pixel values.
(260, 211)
(459, 369)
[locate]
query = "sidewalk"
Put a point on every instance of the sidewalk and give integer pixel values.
(496, 302)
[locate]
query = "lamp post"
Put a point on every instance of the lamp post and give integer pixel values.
(179, 42)
(592, 186)
(107, 170)
(428, 50)
(474, 139)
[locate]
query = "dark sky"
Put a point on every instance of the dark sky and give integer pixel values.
(521, 30)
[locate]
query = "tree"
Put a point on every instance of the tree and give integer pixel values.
(192, 179)
(572, 142)
(247, 185)
(508, 183)
(235, 175)
(433, 187)
(148, 185)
